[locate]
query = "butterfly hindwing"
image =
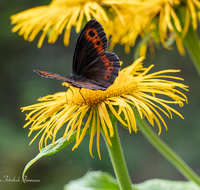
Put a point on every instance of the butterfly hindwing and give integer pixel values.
(86, 84)
(91, 44)
(104, 70)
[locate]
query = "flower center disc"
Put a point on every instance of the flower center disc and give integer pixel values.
(124, 84)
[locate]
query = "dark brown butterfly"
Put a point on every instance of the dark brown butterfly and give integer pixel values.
(93, 68)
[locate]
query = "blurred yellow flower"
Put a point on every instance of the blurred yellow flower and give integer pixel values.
(158, 18)
(133, 87)
(127, 32)
(62, 15)
(123, 20)
(191, 12)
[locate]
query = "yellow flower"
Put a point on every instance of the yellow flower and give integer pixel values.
(190, 10)
(62, 15)
(133, 87)
(127, 32)
(159, 19)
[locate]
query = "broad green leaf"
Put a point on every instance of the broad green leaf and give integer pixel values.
(105, 181)
(162, 184)
(50, 150)
(93, 181)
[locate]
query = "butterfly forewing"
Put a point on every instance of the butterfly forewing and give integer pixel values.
(90, 46)
(93, 68)
(47, 74)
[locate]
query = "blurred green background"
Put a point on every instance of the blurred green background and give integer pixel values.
(20, 86)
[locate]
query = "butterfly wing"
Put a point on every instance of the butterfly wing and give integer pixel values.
(91, 44)
(86, 84)
(51, 75)
(104, 71)
(77, 82)
(92, 67)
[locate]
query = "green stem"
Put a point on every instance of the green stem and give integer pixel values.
(118, 161)
(191, 42)
(165, 150)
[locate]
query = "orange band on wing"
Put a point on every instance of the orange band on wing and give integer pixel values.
(109, 69)
(92, 35)
(51, 75)
(108, 65)
(107, 77)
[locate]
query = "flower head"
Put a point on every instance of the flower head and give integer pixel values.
(156, 21)
(133, 87)
(62, 15)
(124, 20)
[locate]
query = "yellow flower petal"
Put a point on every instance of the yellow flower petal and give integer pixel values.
(92, 132)
(180, 46)
(193, 13)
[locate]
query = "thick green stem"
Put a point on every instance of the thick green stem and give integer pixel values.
(118, 161)
(191, 42)
(166, 151)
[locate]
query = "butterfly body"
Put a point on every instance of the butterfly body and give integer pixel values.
(93, 68)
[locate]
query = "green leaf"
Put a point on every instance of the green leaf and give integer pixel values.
(104, 181)
(162, 184)
(93, 181)
(50, 150)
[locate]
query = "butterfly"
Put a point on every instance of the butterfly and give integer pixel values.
(93, 68)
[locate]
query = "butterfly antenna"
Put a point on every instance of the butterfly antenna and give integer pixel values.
(82, 95)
